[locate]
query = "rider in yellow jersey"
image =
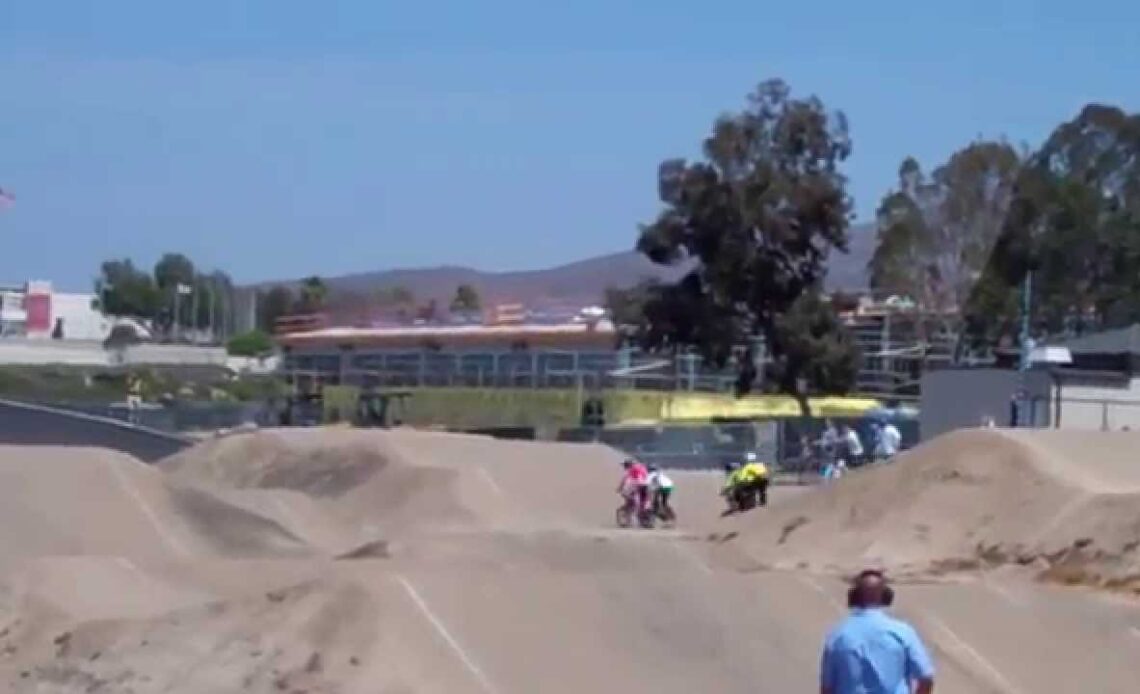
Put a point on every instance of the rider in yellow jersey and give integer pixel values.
(747, 484)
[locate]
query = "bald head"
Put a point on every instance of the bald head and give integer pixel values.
(870, 589)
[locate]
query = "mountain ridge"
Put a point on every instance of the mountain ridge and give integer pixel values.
(579, 282)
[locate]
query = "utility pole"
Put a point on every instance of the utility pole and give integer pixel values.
(1023, 414)
(1026, 308)
(179, 290)
(194, 314)
(177, 315)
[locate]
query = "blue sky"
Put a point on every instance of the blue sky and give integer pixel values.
(281, 138)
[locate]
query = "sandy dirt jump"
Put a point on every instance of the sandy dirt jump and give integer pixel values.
(306, 561)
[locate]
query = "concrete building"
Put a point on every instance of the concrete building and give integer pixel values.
(506, 351)
(35, 310)
(1098, 390)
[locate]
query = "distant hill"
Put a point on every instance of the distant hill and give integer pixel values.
(579, 283)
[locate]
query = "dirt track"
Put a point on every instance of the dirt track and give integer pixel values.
(494, 569)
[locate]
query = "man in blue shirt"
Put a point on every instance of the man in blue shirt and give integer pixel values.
(871, 652)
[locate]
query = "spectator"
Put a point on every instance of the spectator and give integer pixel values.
(851, 446)
(888, 442)
(870, 652)
(829, 441)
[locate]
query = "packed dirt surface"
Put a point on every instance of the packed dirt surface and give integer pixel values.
(1065, 505)
(305, 561)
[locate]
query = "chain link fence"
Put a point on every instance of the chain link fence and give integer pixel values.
(791, 447)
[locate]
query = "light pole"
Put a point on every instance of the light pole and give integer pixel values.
(179, 290)
(1026, 357)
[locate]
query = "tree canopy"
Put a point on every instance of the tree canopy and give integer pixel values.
(466, 299)
(936, 233)
(124, 290)
(757, 216)
(314, 292)
(1074, 221)
(255, 343)
(278, 301)
(172, 270)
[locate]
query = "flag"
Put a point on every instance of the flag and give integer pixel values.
(6, 198)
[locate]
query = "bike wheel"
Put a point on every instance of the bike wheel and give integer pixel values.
(646, 519)
(623, 516)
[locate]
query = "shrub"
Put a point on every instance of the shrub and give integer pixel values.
(252, 344)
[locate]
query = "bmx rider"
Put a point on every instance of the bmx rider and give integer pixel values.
(662, 488)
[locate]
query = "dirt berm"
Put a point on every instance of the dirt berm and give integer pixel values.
(1065, 504)
(329, 561)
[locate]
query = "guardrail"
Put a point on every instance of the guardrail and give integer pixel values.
(36, 425)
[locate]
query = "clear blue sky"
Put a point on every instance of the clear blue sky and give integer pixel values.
(281, 138)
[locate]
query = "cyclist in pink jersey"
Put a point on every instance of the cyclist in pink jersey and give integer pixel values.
(634, 484)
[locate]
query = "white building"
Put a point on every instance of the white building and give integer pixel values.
(35, 310)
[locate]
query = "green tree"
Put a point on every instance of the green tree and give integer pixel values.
(273, 304)
(252, 344)
(124, 290)
(173, 269)
(314, 291)
(758, 216)
(936, 233)
(627, 306)
(1074, 221)
(466, 299)
(812, 344)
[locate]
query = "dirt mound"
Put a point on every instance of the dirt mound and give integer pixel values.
(320, 463)
(355, 478)
(78, 501)
(1059, 502)
(318, 636)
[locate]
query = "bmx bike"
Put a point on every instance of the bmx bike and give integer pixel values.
(631, 511)
(663, 512)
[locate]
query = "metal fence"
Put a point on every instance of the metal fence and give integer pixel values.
(178, 417)
(1088, 414)
(779, 443)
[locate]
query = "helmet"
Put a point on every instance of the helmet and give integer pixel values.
(653, 468)
(729, 467)
(750, 456)
(628, 462)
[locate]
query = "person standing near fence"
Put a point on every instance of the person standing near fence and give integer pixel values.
(888, 441)
(851, 447)
(871, 652)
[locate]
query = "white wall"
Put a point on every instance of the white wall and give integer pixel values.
(80, 320)
(91, 353)
(1100, 404)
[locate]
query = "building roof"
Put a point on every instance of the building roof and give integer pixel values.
(1118, 341)
(599, 333)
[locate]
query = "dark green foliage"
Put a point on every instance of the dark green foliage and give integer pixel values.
(936, 233)
(252, 344)
(274, 304)
(758, 217)
(627, 306)
(174, 269)
(812, 344)
(124, 290)
(1075, 222)
(313, 295)
(466, 299)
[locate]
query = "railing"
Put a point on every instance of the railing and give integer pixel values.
(1090, 414)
